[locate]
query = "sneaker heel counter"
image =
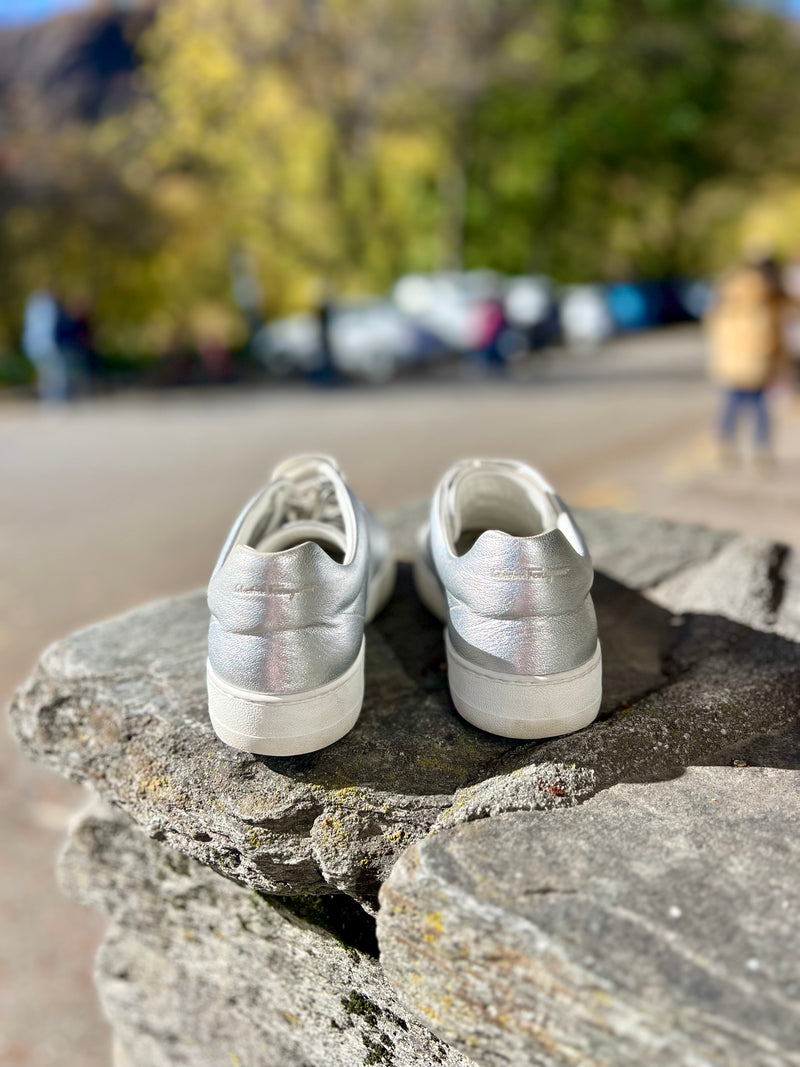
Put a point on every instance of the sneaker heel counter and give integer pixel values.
(284, 623)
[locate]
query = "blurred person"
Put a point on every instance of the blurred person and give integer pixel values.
(490, 327)
(744, 331)
(216, 358)
(213, 328)
(41, 346)
(326, 310)
(75, 342)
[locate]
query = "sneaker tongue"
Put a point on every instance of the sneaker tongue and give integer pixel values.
(294, 533)
(307, 464)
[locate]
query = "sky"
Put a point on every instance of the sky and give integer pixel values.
(21, 11)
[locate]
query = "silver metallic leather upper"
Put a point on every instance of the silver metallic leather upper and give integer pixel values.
(519, 604)
(290, 619)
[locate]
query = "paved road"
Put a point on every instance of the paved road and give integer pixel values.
(111, 503)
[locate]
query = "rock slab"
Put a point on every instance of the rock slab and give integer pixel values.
(121, 708)
(655, 924)
(198, 971)
(579, 900)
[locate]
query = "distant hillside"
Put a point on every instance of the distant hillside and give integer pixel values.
(79, 65)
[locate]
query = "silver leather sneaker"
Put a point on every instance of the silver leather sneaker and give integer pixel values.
(503, 563)
(304, 567)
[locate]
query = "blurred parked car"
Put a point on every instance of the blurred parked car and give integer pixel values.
(590, 314)
(446, 305)
(585, 317)
(370, 340)
(289, 346)
(633, 306)
(695, 296)
(531, 307)
(645, 305)
(430, 316)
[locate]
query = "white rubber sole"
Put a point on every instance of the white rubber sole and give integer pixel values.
(525, 706)
(513, 705)
(287, 725)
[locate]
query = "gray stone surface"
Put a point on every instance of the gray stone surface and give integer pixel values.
(642, 550)
(743, 583)
(655, 924)
(601, 907)
(121, 707)
(787, 620)
(198, 971)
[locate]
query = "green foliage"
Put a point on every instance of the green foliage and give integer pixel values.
(14, 369)
(638, 110)
(352, 140)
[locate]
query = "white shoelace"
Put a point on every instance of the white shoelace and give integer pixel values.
(313, 500)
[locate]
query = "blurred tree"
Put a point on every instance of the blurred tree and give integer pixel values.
(68, 218)
(280, 116)
(358, 138)
(626, 115)
(352, 140)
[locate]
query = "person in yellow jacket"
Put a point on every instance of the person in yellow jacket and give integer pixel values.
(744, 332)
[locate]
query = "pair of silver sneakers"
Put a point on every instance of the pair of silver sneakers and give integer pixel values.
(501, 562)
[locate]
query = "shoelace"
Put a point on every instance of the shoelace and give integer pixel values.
(313, 500)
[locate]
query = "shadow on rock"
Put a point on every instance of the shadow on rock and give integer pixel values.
(678, 691)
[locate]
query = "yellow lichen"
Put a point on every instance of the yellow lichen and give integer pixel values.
(433, 922)
(156, 784)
